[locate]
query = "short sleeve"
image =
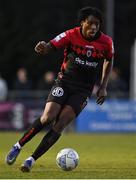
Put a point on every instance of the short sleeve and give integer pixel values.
(110, 49)
(61, 41)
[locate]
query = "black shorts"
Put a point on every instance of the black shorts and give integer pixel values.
(67, 94)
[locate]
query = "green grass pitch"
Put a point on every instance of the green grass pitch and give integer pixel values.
(102, 156)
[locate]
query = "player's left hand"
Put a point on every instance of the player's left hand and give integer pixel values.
(101, 95)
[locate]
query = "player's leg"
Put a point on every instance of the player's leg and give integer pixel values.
(51, 111)
(65, 117)
(75, 104)
(55, 101)
(67, 114)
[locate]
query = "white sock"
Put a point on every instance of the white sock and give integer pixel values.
(18, 145)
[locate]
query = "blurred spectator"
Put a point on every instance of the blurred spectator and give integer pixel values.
(3, 89)
(22, 82)
(47, 81)
(117, 87)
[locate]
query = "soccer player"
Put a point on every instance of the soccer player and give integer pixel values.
(87, 51)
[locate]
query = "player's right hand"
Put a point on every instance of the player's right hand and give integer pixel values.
(40, 48)
(101, 95)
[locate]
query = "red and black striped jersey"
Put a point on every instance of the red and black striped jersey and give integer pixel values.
(82, 58)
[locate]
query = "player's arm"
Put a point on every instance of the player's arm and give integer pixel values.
(102, 92)
(43, 48)
(107, 67)
(60, 41)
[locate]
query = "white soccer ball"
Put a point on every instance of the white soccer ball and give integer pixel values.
(67, 159)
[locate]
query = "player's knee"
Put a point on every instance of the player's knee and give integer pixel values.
(67, 114)
(48, 117)
(63, 121)
(66, 117)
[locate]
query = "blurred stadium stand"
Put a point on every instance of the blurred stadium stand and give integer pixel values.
(22, 107)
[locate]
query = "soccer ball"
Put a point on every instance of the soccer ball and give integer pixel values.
(67, 159)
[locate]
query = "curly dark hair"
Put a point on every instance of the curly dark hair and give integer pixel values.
(87, 11)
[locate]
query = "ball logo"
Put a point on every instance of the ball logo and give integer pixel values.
(58, 92)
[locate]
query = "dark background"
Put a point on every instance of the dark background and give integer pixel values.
(24, 23)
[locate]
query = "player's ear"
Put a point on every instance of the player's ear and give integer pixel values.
(81, 23)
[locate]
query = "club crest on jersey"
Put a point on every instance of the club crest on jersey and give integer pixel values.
(89, 50)
(58, 92)
(88, 53)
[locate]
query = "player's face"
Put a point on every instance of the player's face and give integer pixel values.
(90, 27)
